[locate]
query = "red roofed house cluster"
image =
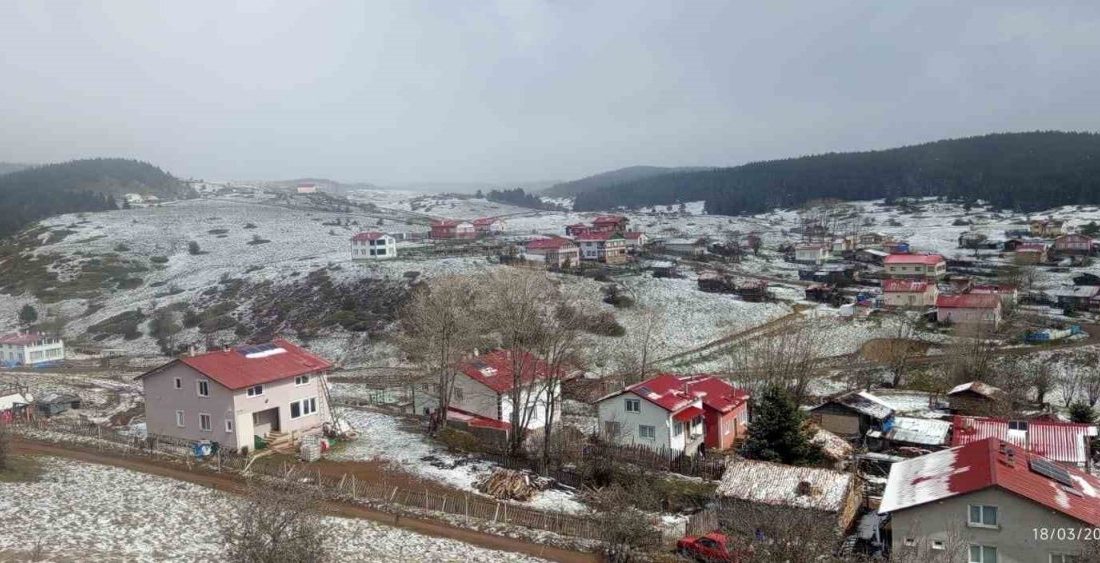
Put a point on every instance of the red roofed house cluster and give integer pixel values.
(450, 229)
(989, 500)
(606, 238)
(482, 390)
(558, 252)
(924, 266)
(232, 396)
(682, 414)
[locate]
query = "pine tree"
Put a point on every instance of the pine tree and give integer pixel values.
(28, 315)
(779, 432)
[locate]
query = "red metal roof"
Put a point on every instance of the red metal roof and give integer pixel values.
(485, 221)
(495, 369)
(983, 464)
(1060, 441)
(601, 235)
(666, 391)
(245, 366)
(717, 394)
(372, 235)
(1031, 247)
(549, 243)
(632, 235)
(969, 301)
(688, 414)
(476, 420)
(926, 259)
(445, 223)
(608, 220)
(904, 286)
(21, 338)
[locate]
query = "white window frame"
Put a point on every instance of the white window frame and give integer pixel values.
(199, 384)
(633, 405)
(677, 428)
(909, 542)
(981, 553)
(229, 425)
(301, 380)
(307, 404)
(981, 523)
(181, 419)
(1064, 558)
(209, 426)
(255, 390)
(179, 383)
(642, 432)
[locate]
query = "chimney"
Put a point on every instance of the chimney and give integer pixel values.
(191, 350)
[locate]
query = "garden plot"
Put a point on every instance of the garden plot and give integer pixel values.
(381, 437)
(81, 511)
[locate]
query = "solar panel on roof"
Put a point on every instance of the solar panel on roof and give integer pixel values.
(256, 348)
(1051, 470)
(644, 390)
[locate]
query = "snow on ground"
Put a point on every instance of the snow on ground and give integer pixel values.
(83, 511)
(381, 437)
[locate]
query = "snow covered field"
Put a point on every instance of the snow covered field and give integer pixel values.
(88, 512)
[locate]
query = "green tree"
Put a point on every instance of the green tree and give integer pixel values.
(193, 248)
(1090, 229)
(779, 431)
(1081, 412)
(28, 315)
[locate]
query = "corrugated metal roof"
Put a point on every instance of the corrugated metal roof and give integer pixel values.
(968, 301)
(920, 431)
(1060, 441)
(863, 403)
(247, 366)
(978, 387)
(926, 259)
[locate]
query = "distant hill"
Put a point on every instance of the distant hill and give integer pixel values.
(97, 184)
(9, 167)
(612, 178)
(1025, 171)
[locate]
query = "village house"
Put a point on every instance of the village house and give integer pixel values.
(1064, 442)
(686, 246)
(30, 348)
(555, 252)
(273, 391)
(852, 414)
(725, 410)
(872, 241)
(488, 226)
(603, 246)
(306, 188)
(871, 256)
(661, 413)
(484, 385)
(15, 403)
(635, 240)
(972, 239)
(988, 500)
(978, 398)
(908, 293)
(760, 499)
(811, 253)
(1074, 244)
(1007, 293)
(601, 224)
(840, 245)
(1046, 228)
(1030, 253)
(373, 246)
(1078, 298)
(926, 266)
(970, 309)
(451, 229)
(896, 247)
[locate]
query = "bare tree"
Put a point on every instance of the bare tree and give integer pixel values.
(897, 352)
(970, 357)
(948, 547)
(439, 330)
(642, 347)
(277, 524)
(788, 357)
(5, 446)
(627, 533)
(1069, 382)
(558, 348)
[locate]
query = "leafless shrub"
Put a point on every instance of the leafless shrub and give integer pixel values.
(788, 358)
(627, 533)
(277, 524)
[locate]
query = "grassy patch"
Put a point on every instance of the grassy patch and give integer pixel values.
(21, 469)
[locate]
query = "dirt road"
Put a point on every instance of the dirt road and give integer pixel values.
(234, 484)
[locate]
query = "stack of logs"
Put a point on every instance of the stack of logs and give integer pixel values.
(507, 484)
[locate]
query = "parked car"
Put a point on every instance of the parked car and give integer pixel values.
(712, 548)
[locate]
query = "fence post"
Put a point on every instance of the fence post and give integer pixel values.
(496, 512)
(467, 508)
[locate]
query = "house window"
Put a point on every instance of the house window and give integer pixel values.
(938, 545)
(458, 394)
(1017, 425)
(305, 407)
(203, 387)
(647, 432)
(179, 383)
(1063, 558)
(301, 380)
(381, 252)
(982, 515)
(677, 428)
(255, 390)
(612, 428)
(204, 422)
(633, 405)
(229, 425)
(179, 419)
(983, 554)
(909, 542)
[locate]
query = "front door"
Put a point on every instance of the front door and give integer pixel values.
(265, 421)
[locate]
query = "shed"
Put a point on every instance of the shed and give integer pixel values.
(56, 403)
(926, 433)
(978, 398)
(853, 414)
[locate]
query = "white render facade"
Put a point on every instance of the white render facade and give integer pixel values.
(29, 352)
(475, 397)
(382, 248)
(628, 419)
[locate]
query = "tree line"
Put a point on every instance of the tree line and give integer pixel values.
(519, 198)
(1022, 171)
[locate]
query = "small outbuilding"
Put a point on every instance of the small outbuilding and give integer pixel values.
(853, 414)
(978, 399)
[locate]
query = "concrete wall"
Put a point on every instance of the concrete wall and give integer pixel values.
(279, 395)
(916, 270)
(1014, 539)
(368, 249)
(163, 399)
(49, 350)
(910, 299)
(968, 316)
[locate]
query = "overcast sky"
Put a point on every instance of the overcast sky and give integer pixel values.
(482, 91)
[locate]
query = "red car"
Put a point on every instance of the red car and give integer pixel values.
(712, 547)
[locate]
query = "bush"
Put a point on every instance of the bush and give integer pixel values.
(459, 440)
(122, 324)
(159, 259)
(193, 248)
(217, 323)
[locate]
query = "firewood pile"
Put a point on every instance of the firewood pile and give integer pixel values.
(507, 484)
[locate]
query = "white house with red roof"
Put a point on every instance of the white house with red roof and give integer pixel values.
(662, 412)
(484, 384)
(811, 253)
(30, 348)
(990, 501)
(725, 410)
(971, 309)
(450, 228)
(559, 252)
(927, 266)
(488, 225)
(908, 293)
(373, 245)
(307, 188)
(603, 246)
(233, 395)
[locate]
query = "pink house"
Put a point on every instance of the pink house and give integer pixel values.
(974, 309)
(927, 266)
(908, 293)
(236, 395)
(488, 225)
